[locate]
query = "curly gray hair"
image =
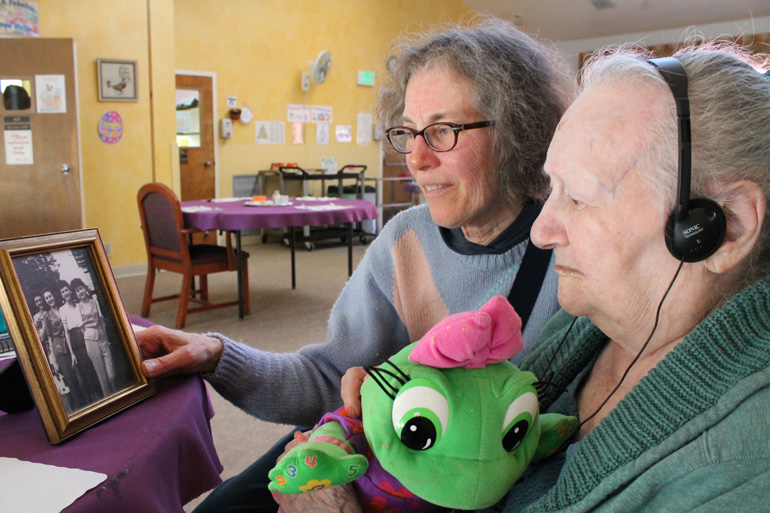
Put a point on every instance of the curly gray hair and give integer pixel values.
(518, 83)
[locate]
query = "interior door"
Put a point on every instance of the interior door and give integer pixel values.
(195, 136)
(39, 166)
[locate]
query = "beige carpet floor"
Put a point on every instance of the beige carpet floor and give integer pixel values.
(281, 320)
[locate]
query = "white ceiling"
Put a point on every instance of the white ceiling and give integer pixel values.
(566, 20)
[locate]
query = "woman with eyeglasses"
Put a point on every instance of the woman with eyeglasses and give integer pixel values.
(473, 110)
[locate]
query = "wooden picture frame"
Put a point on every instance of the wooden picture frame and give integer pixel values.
(117, 80)
(105, 376)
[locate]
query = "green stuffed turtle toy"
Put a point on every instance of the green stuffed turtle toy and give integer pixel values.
(448, 422)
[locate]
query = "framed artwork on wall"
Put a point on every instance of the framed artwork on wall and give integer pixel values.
(117, 80)
(72, 335)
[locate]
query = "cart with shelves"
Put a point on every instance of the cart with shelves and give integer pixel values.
(399, 190)
(348, 173)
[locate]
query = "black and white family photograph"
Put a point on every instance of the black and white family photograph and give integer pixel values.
(84, 352)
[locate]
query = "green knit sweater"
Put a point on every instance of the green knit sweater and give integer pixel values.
(693, 435)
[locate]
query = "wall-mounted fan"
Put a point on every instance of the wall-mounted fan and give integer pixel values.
(319, 68)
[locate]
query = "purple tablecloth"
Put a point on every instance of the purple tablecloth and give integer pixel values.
(234, 215)
(158, 454)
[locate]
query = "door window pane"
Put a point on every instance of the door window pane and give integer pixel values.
(17, 94)
(188, 118)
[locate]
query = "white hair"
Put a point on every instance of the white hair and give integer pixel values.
(730, 125)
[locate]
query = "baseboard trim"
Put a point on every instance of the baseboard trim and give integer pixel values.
(126, 271)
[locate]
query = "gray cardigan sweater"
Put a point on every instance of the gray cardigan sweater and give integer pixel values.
(408, 280)
(693, 435)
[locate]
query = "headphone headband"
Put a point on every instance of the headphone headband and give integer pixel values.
(696, 228)
(676, 77)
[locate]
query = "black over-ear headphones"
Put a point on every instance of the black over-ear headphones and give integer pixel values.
(697, 227)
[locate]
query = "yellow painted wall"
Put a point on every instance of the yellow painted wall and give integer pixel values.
(257, 48)
(163, 90)
(266, 47)
(113, 173)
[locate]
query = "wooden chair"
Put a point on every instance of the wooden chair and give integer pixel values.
(166, 240)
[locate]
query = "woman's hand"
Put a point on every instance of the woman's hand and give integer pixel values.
(351, 390)
(299, 438)
(337, 499)
(341, 499)
(170, 352)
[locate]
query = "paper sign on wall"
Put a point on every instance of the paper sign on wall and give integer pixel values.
(51, 94)
(319, 114)
(297, 133)
(18, 142)
(19, 18)
(322, 133)
(343, 133)
(298, 113)
(329, 165)
(270, 132)
(364, 129)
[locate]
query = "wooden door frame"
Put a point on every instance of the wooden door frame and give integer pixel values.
(177, 185)
(75, 95)
(77, 135)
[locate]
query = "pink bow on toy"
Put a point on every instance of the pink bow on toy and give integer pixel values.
(472, 340)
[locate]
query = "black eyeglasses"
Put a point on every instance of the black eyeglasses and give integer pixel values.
(438, 136)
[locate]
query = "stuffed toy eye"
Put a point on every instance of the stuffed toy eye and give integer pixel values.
(518, 419)
(420, 414)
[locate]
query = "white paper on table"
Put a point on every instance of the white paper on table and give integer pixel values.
(7, 355)
(199, 208)
(23, 481)
(319, 208)
(225, 200)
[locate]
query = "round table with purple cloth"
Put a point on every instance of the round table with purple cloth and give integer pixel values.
(157, 455)
(235, 215)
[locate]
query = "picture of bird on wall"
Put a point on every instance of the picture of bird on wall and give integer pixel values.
(117, 80)
(125, 78)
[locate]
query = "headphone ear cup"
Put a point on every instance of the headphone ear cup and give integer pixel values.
(700, 234)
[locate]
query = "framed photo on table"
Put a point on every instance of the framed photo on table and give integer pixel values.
(117, 80)
(73, 337)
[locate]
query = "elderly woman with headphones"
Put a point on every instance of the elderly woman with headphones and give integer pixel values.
(658, 223)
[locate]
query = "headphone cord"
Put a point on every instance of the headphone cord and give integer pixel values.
(544, 385)
(639, 354)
